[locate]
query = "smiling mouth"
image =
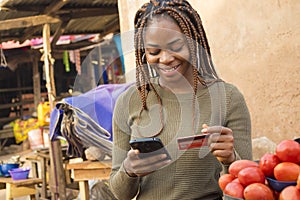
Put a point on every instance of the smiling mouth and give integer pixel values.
(169, 70)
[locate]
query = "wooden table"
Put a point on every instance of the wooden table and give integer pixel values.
(44, 165)
(4, 135)
(89, 170)
(19, 188)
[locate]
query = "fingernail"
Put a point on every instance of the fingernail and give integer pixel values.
(204, 130)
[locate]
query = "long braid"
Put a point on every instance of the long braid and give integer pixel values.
(191, 25)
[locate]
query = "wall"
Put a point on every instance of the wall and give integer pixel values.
(256, 46)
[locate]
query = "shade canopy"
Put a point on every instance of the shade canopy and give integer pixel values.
(22, 21)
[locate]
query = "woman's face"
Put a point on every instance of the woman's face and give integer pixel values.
(167, 51)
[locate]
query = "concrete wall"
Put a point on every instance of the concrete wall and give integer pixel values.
(256, 46)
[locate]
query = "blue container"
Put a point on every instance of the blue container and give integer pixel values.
(279, 185)
(4, 168)
(19, 173)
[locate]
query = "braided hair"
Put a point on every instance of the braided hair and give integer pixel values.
(191, 26)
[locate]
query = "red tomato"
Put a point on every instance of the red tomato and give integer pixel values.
(288, 151)
(251, 175)
(267, 164)
(286, 171)
(238, 165)
(258, 191)
(298, 182)
(234, 189)
(236, 180)
(224, 180)
(290, 193)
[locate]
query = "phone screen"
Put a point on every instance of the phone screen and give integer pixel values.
(149, 146)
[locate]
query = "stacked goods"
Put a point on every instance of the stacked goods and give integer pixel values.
(274, 176)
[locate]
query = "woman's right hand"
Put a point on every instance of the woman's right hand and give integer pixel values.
(136, 166)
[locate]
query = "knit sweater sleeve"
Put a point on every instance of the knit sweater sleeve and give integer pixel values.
(238, 119)
(121, 184)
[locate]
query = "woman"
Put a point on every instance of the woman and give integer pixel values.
(177, 94)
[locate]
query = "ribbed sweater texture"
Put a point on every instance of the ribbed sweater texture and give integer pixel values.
(193, 173)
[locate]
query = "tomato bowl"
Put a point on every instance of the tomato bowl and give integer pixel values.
(279, 185)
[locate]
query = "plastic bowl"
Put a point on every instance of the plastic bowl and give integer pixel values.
(19, 173)
(4, 168)
(227, 197)
(279, 185)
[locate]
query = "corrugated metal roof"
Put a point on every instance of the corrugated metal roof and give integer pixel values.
(76, 16)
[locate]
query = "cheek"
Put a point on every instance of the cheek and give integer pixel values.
(186, 55)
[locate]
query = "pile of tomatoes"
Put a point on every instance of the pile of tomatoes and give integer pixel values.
(247, 179)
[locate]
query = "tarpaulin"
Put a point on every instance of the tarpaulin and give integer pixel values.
(86, 120)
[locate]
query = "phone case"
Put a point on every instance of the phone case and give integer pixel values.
(149, 146)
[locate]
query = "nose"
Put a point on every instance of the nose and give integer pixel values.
(166, 57)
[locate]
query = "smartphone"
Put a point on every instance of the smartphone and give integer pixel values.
(193, 141)
(149, 147)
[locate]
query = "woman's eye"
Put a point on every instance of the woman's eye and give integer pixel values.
(153, 52)
(177, 47)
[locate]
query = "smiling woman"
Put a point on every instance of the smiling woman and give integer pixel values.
(167, 52)
(177, 94)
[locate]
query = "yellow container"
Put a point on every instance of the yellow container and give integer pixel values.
(43, 111)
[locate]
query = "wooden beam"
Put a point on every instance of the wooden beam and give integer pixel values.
(59, 31)
(87, 12)
(49, 10)
(41, 9)
(55, 6)
(24, 22)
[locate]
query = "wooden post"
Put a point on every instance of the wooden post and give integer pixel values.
(48, 65)
(36, 80)
(57, 176)
(57, 173)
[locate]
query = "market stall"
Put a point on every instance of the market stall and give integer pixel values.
(41, 27)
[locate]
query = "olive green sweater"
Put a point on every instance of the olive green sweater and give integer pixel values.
(192, 174)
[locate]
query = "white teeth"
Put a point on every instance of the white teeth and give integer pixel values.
(172, 69)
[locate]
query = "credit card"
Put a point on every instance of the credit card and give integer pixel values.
(193, 141)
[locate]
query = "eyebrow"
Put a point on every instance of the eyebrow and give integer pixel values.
(170, 43)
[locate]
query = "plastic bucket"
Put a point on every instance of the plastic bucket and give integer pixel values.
(35, 139)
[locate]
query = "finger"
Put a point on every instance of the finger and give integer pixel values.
(133, 153)
(217, 137)
(149, 159)
(217, 129)
(204, 126)
(222, 153)
(221, 146)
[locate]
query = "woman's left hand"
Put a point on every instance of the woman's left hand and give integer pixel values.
(220, 142)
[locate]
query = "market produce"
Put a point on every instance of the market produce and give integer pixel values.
(298, 182)
(238, 165)
(258, 191)
(225, 179)
(251, 175)
(267, 164)
(275, 176)
(288, 151)
(286, 171)
(234, 189)
(290, 193)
